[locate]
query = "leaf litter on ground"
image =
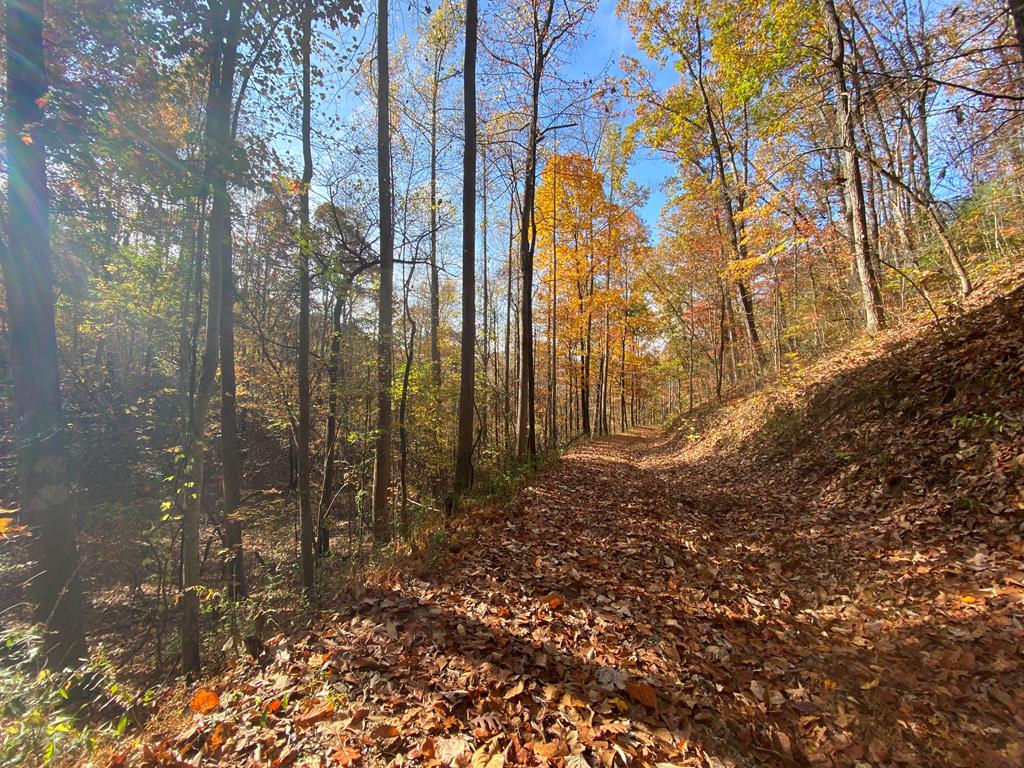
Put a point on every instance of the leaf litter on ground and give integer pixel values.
(828, 572)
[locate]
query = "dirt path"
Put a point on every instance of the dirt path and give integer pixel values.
(626, 612)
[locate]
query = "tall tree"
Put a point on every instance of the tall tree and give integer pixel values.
(467, 382)
(853, 184)
(46, 503)
(224, 25)
(305, 249)
(438, 37)
(230, 444)
(546, 26)
(526, 434)
(699, 110)
(385, 311)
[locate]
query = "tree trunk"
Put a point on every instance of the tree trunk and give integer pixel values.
(44, 488)
(526, 434)
(553, 386)
(622, 367)
(385, 331)
(224, 25)
(435, 300)
(230, 449)
(722, 334)
(467, 381)
(307, 554)
(331, 448)
(507, 390)
(853, 183)
(738, 247)
(585, 345)
(488, 330)
(690, 356)
(405, 524)
(604, 416)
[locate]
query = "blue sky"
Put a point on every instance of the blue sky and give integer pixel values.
(608, 39)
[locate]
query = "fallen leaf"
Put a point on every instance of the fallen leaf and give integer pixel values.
(346, 755)
(357, 717)
(453, 750)
(314, 711)
(642, 693)
(271, 707)
(547, 749)
(384, 731)
(204, 701)
(286, 758)
(481, 759)
(216, 739)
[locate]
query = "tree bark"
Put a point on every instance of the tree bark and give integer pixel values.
(385, 311)
(467, 381)
(331, 449)
(554, 303)
(435, 300)
(526, 438)
(308, 556)
(46, 503)
(507, 389)
(225, 24)
(230, 449)
(738, 247)
(852, 182)
(488, 330)
(405, 524)
(622, 365)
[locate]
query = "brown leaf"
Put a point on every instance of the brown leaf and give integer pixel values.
(486, 725)
(878, 752)
(481, 759)
(453, 750)
(427, 749)
(384, 731)
(548, 750)
(804, 707)
(345, 754)
(286, 758)
(357, 717)
(314, 711)
(642, 693)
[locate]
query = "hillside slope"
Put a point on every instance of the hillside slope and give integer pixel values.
(884, 488)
